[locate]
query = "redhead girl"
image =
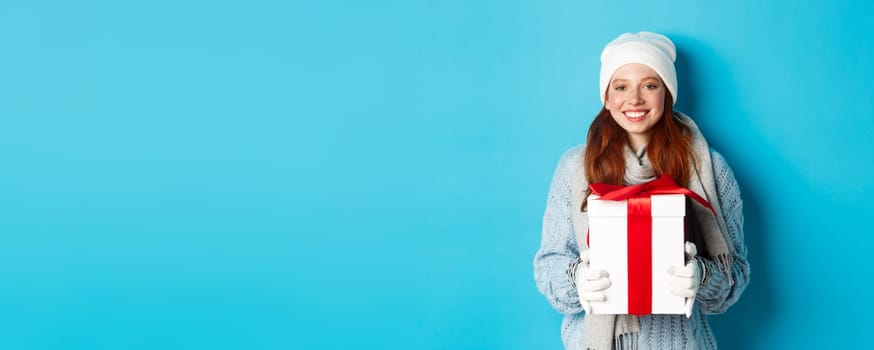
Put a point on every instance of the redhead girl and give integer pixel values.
(638, 137)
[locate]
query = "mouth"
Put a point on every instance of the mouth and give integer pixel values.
(635, 115)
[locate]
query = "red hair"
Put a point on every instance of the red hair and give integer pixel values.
(669, 149)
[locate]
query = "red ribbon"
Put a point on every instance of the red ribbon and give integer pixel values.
(640, 233)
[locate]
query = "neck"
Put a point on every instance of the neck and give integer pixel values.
(637, 142)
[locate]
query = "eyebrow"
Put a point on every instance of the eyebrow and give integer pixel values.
(644, 79)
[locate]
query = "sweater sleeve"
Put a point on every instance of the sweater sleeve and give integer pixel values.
(720, 292)
(558, 244)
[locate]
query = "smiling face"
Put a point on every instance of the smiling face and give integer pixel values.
(636, 100)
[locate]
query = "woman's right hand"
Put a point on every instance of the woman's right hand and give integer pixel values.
(590, 283)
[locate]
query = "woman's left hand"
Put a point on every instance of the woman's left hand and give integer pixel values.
(683, 280)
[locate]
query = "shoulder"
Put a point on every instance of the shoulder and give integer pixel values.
(572, 159)
(724, 178)
(720, 165)
(717, 159)
(575, 152)
(570, 167)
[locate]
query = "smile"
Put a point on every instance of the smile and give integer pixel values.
(634, 115)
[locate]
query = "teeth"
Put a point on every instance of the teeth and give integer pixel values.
(634, 114)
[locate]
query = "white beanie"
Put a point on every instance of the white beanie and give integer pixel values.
(651, 49)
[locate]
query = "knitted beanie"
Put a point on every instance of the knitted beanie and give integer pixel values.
(652, 49)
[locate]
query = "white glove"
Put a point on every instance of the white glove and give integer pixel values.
(590, 283)
(683, 280)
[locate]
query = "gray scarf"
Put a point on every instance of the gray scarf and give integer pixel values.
(602, 331)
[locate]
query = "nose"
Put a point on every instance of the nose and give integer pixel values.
(634, 97)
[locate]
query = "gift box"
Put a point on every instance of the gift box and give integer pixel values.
(636, 233)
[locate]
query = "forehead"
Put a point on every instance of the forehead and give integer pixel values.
(635, 71)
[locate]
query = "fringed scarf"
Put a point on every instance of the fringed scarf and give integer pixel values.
(605, 332)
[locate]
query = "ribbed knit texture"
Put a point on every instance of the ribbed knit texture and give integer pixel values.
(559, 246)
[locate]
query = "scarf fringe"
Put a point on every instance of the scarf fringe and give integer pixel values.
(724, 261)
(627, 341)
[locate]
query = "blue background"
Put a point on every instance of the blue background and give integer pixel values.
(336, 174)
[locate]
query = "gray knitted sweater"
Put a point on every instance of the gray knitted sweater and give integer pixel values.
(559, 246)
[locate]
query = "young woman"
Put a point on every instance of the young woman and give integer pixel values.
(638, 137)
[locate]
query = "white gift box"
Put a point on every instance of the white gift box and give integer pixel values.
(609, 248)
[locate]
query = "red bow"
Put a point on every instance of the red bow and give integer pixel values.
(662, 185)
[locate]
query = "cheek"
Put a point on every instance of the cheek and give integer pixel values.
(657, 99)
(613, 103)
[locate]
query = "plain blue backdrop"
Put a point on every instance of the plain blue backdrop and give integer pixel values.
(339, 174)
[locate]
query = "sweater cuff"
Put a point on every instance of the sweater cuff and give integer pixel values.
(714, 283)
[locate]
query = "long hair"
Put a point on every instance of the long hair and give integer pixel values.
(669, 149)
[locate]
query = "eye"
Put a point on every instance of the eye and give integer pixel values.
(619, 87)
(650, 86)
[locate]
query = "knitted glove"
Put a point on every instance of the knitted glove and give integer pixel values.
(590, 283)
(683, 280)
